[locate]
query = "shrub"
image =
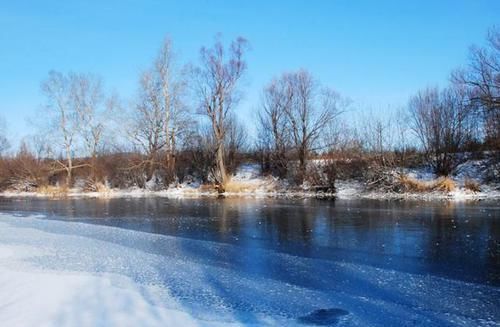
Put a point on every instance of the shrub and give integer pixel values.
(322, 175)
(472, 185)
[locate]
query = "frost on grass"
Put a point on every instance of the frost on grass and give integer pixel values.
(55, 273)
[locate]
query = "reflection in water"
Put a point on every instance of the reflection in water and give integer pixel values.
(456, 240)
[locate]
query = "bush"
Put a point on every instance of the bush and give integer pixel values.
(472, 185)
(322, 175)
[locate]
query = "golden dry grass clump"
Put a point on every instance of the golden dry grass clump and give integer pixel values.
(54, 191)
(413, 185)
(443, 184)
(240, 187)
(102, 188)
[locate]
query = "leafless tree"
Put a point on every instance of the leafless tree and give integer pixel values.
(311, 110)
(274, 129)
(23, 171)
(482, 76)
(148, 125)
(235, 142)
(93, 110)
(4, 142)
(171, 86)
(199, 152)
(439, 119)
(378, 133)
(161, 114)
(216, 80)
(62, 106)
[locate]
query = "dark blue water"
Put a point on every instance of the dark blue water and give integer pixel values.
(453, 240)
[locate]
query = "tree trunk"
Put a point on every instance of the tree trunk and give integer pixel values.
(69, 175)
(220, 173)
(93, 174)
(302, 166)
(69, 169)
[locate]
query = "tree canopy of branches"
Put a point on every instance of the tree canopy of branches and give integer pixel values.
(482, 77)
(75, 106)
(216, 87)
(274, 125)
(441, 122)
(161, 115)
(295, 111)
(182, 126)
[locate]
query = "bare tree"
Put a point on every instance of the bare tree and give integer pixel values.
(199, 152)
(440, 122)
(4, 142)
(171, 85)
(93, 110)
(274, 129)
(312, 109)
(64, 121)
(377, 134)
(148, 125)
(24, 172)
(216, 81)
(161, 115)
(235, 142)
(482, 76)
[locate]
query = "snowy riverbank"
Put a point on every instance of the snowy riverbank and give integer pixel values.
(249, 182)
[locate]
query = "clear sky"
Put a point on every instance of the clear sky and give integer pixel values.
(376, 52)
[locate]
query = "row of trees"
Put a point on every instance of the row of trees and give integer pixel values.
(183, 123)
(465, 114)
(80, 122)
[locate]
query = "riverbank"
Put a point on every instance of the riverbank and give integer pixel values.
(249, 182)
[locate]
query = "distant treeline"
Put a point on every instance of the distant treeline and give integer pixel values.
(183, 124)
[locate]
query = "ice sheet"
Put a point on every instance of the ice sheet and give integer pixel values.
(56, 273)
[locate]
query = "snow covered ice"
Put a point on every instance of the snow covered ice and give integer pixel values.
(57, 273)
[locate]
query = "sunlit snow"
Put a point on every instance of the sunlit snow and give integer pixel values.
(56, 273)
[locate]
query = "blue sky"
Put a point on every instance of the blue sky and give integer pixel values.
(376, 52)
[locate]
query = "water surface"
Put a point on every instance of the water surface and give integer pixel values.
(309, 244)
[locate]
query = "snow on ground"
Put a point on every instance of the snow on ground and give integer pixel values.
(247, 172)
(421, 173)
(473, 169)
(56, 273)
(249, 181)
(52, 279)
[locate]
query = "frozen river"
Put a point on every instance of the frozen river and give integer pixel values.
(157, 262)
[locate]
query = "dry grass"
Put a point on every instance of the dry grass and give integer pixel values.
(413, 185)
(102, 188)
(472, 185)
(54, 191)
(241, 187)
(443, 184)
(206, 188)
